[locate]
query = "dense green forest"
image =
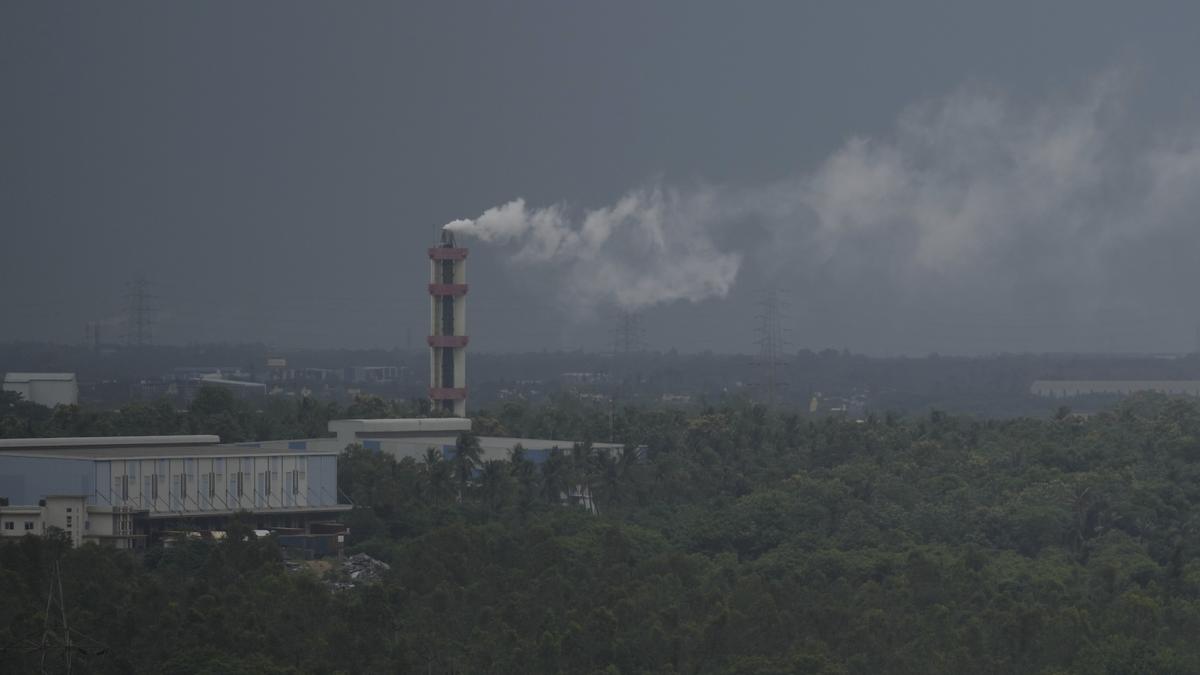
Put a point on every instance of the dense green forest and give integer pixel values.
(743, 541)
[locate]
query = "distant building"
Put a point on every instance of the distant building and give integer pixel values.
(402, 438)
(1070, 388)
(183, 391)
(375, 374)
(122, 490)
(48, 389)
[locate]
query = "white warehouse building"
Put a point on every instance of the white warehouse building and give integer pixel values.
(48, 389)
(120, 490)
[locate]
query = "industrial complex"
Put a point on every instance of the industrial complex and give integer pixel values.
(128, 490)
(121, 490)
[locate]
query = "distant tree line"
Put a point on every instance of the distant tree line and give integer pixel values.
(214, 410)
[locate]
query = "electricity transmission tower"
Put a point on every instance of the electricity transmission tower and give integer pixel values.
(61, 647)
(626, 341)
(627, 334)
(139, 313)
(772, 344)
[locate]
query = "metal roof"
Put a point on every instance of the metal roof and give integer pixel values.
(499, 443)
(31, 377)
(143, 447)
(428, 424)
(170, 452)
(107, 441)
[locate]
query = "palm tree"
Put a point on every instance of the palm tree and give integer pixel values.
(524, 472)
(554, 475)
(583, 465)
(436, 472)
(493, 482)
(467, 456)
(609, 474)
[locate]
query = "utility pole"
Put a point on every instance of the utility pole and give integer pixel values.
(139, 313)
(771, 346)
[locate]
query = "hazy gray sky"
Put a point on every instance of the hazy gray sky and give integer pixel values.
(917, 177)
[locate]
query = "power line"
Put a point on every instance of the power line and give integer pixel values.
(139, 327)
(628, 334)
(57, 635)
(772, 344)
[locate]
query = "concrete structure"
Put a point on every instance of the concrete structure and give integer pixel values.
(120, 490)
(536, 450)
(183, 391)
(48, 389)
(448, 326)
(68, 513)
(1069, 388)
(372, 374)
(402, 438)
(356, 431)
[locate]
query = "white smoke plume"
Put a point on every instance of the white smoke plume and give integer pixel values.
(974, 203)
(652, 246)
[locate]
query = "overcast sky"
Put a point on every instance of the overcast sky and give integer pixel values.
(914, 177)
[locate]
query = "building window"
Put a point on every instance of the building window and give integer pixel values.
(266, 482)
(28, 524)
(68, 509)
(8, 525)
(68, 521)
(239, 483)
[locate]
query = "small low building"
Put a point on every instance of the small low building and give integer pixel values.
(1071, 388)
(48, 389)
(402, 438)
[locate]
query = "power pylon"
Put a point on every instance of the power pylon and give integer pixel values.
(626, 341)
(772, 344)
(139, 315)
(627, 334)
(61, 647)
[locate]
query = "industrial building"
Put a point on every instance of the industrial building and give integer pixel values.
(122, 490)
(402, 438)
(1070, 388)
(448, 326)
(48, 389)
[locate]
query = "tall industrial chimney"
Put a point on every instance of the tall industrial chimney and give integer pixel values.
(448, 326)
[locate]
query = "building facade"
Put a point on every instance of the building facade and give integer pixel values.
(124, 489)
(48, 389)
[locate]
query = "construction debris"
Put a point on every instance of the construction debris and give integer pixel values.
(359, 569)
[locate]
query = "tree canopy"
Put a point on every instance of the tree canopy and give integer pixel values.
(729, 539)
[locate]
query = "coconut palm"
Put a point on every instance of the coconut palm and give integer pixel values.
(493, 483)
(436, 471)
(524, 472)
(467, 457)
(555, 476)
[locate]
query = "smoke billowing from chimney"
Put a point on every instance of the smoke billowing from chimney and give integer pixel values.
(652, 246)
(973, 204)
